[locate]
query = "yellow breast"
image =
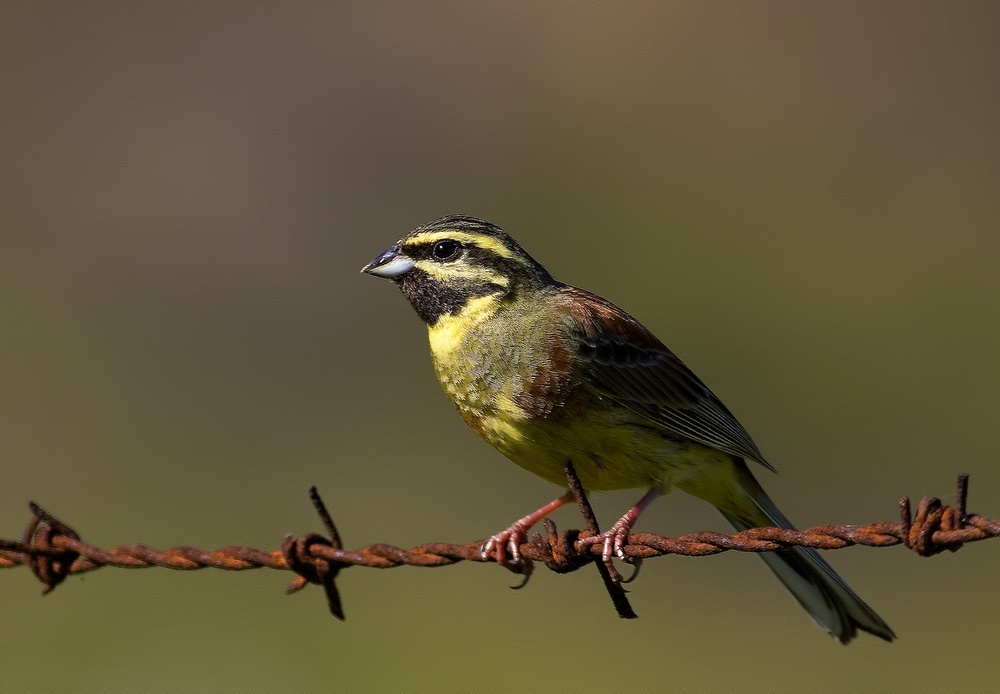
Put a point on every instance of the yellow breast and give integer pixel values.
(480, 372)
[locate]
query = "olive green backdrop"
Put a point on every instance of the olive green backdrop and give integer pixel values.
(802, 200)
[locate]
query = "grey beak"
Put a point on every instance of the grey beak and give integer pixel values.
(390, 264)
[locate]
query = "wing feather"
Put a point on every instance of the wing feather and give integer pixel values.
(622, 360)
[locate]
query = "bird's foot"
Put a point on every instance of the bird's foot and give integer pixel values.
(613, 541)
(510, 540)
(505, 541)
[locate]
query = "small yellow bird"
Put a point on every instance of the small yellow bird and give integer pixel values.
(548, 373)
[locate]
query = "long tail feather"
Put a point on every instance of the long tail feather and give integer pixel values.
(817, 587)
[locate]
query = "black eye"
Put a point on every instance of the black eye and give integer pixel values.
(446, 250)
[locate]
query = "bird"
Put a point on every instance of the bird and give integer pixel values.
(548, 374)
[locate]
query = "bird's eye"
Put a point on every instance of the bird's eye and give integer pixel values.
(446, 250)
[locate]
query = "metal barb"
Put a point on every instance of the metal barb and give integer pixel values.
(325, 517)
(301, 557)
(962, 496)
(44, 532)
(905, 517)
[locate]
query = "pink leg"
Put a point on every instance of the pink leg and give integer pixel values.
(512, 537)
(615, 538)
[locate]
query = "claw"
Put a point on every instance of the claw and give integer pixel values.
(636, 563)
(526, 568)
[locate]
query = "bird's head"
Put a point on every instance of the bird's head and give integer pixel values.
(443, 265)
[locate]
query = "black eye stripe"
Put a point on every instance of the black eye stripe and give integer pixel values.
(431, 250)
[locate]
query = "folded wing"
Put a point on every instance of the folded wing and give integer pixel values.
(622, 360)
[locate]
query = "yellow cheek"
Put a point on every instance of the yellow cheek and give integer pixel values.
(448, 334)
(445, 337)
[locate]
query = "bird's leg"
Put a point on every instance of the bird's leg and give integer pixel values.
(512, 537)
(616, 537)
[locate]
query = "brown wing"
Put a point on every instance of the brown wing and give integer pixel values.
(622, 360)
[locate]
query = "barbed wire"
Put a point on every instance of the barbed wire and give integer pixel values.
(53, 550)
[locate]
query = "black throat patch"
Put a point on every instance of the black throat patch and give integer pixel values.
(432, 299)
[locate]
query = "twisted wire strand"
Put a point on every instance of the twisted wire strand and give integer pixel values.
(54, 551)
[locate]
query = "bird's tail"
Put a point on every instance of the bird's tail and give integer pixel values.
(817, 587)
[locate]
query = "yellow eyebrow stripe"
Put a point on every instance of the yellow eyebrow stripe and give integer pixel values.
(444, 273)
(481, 240)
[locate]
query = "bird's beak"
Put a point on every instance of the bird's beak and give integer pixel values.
(391, 264)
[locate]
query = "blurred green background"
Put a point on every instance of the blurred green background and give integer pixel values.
(800, 199)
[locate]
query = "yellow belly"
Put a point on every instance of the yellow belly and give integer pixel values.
(610, 451)
(610, 446)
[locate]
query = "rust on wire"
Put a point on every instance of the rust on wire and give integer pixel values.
(300, 558)
(53, 550)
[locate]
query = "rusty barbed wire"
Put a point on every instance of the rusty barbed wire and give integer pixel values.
(54, 551)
